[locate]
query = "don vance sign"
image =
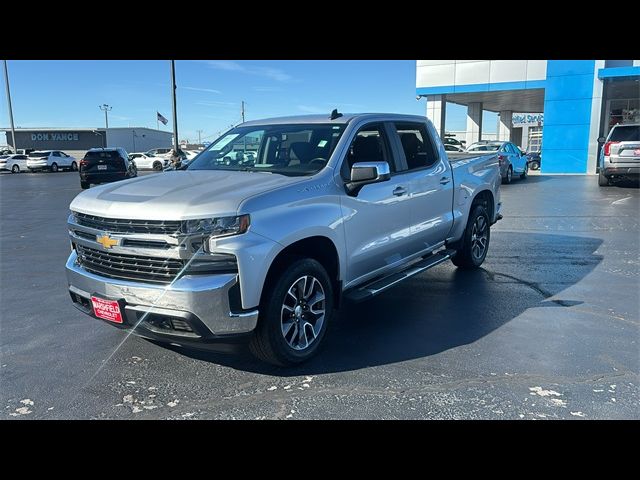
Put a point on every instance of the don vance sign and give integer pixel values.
(62, 136)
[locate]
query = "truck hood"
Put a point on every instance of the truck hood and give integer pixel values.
(178, 195)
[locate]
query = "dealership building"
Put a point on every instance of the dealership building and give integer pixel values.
(76, 141)
(561, 107)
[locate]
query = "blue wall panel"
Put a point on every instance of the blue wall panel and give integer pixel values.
(567, 115)
(565, 112)
(557, 68)
(564, 161)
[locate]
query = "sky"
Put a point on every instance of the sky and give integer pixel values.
(55, 93)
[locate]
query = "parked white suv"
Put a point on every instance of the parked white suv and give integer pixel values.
(145, 161)
(52, 160)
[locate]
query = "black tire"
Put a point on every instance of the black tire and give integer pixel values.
(84, 185)
(15, 169)
(74, 167)
(54, 167)
(157, 166)
(465, 256)
(602, 180)
(535, 165)
(268, 342)
(523, 175)
(509, 176)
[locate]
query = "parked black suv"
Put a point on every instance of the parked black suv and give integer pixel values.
(104, 165)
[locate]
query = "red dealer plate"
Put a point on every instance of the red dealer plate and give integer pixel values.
(107, 309)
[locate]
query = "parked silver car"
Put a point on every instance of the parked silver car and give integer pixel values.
(620, 154)
(512, 160)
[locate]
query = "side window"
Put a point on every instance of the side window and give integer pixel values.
(369, 145)
(416, 144)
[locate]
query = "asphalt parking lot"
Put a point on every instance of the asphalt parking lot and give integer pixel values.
(548, 329)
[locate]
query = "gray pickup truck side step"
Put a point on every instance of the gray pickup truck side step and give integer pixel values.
(377, 286)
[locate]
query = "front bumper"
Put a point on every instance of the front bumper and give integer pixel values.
(200, 301)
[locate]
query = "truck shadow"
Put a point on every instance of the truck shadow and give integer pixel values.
(443, 308)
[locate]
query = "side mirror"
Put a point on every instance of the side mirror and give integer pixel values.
(365, 173)
(601, 139)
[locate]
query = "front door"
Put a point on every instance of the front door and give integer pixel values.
(377, 221)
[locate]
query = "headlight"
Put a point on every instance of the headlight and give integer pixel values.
(217, 227)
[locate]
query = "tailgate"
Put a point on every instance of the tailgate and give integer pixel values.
(625, 152)
(102, 162)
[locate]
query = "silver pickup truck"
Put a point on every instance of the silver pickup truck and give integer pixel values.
(329, 208)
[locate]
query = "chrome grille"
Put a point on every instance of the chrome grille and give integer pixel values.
(119, 225)
(128, 267)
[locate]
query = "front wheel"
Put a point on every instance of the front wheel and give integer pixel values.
(295, 311)
(157, 166)
(475, 240)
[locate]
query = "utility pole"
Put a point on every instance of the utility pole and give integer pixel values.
(173, 105)
(105, 108)
(6, 83)
(199, 136)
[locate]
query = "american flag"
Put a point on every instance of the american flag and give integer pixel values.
(162, 119)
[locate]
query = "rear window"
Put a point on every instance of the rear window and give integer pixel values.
(629, 133)
(109, 154)
(39, 154)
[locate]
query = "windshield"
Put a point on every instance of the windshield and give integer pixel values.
(287, 149)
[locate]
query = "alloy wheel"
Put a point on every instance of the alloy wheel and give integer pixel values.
(303, 312)
(479, 236)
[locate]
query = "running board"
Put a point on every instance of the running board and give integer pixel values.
(369, 290)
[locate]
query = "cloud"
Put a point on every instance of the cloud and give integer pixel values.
(217, 104)
(311, 109)
(199, 89)
(267, 89)
(267, 72)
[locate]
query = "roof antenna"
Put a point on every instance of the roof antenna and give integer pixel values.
(335, 114)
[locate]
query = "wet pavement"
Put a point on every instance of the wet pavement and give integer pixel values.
(548, 328)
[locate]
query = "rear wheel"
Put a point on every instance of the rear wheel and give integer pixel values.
(475, 241)
(15, 169)
(54, 167)
(535, 165)
(523, 175)
(294, 314)
(603, 181)
(507, 179)
(84, 185)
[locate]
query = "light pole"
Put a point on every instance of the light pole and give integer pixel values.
(173, 105)
(199, 137)
(105, 108)
(6, 83)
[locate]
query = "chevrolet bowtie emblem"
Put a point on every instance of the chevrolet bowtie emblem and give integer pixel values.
(106, 241)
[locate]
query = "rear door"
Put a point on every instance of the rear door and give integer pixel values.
(431, 184)
(625, 144)
(103, 161)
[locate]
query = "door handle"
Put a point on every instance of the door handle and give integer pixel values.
(444, 180)
(399, 191)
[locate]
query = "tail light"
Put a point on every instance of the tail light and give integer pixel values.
(84, 163)
(501, 159)
(607, 148)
